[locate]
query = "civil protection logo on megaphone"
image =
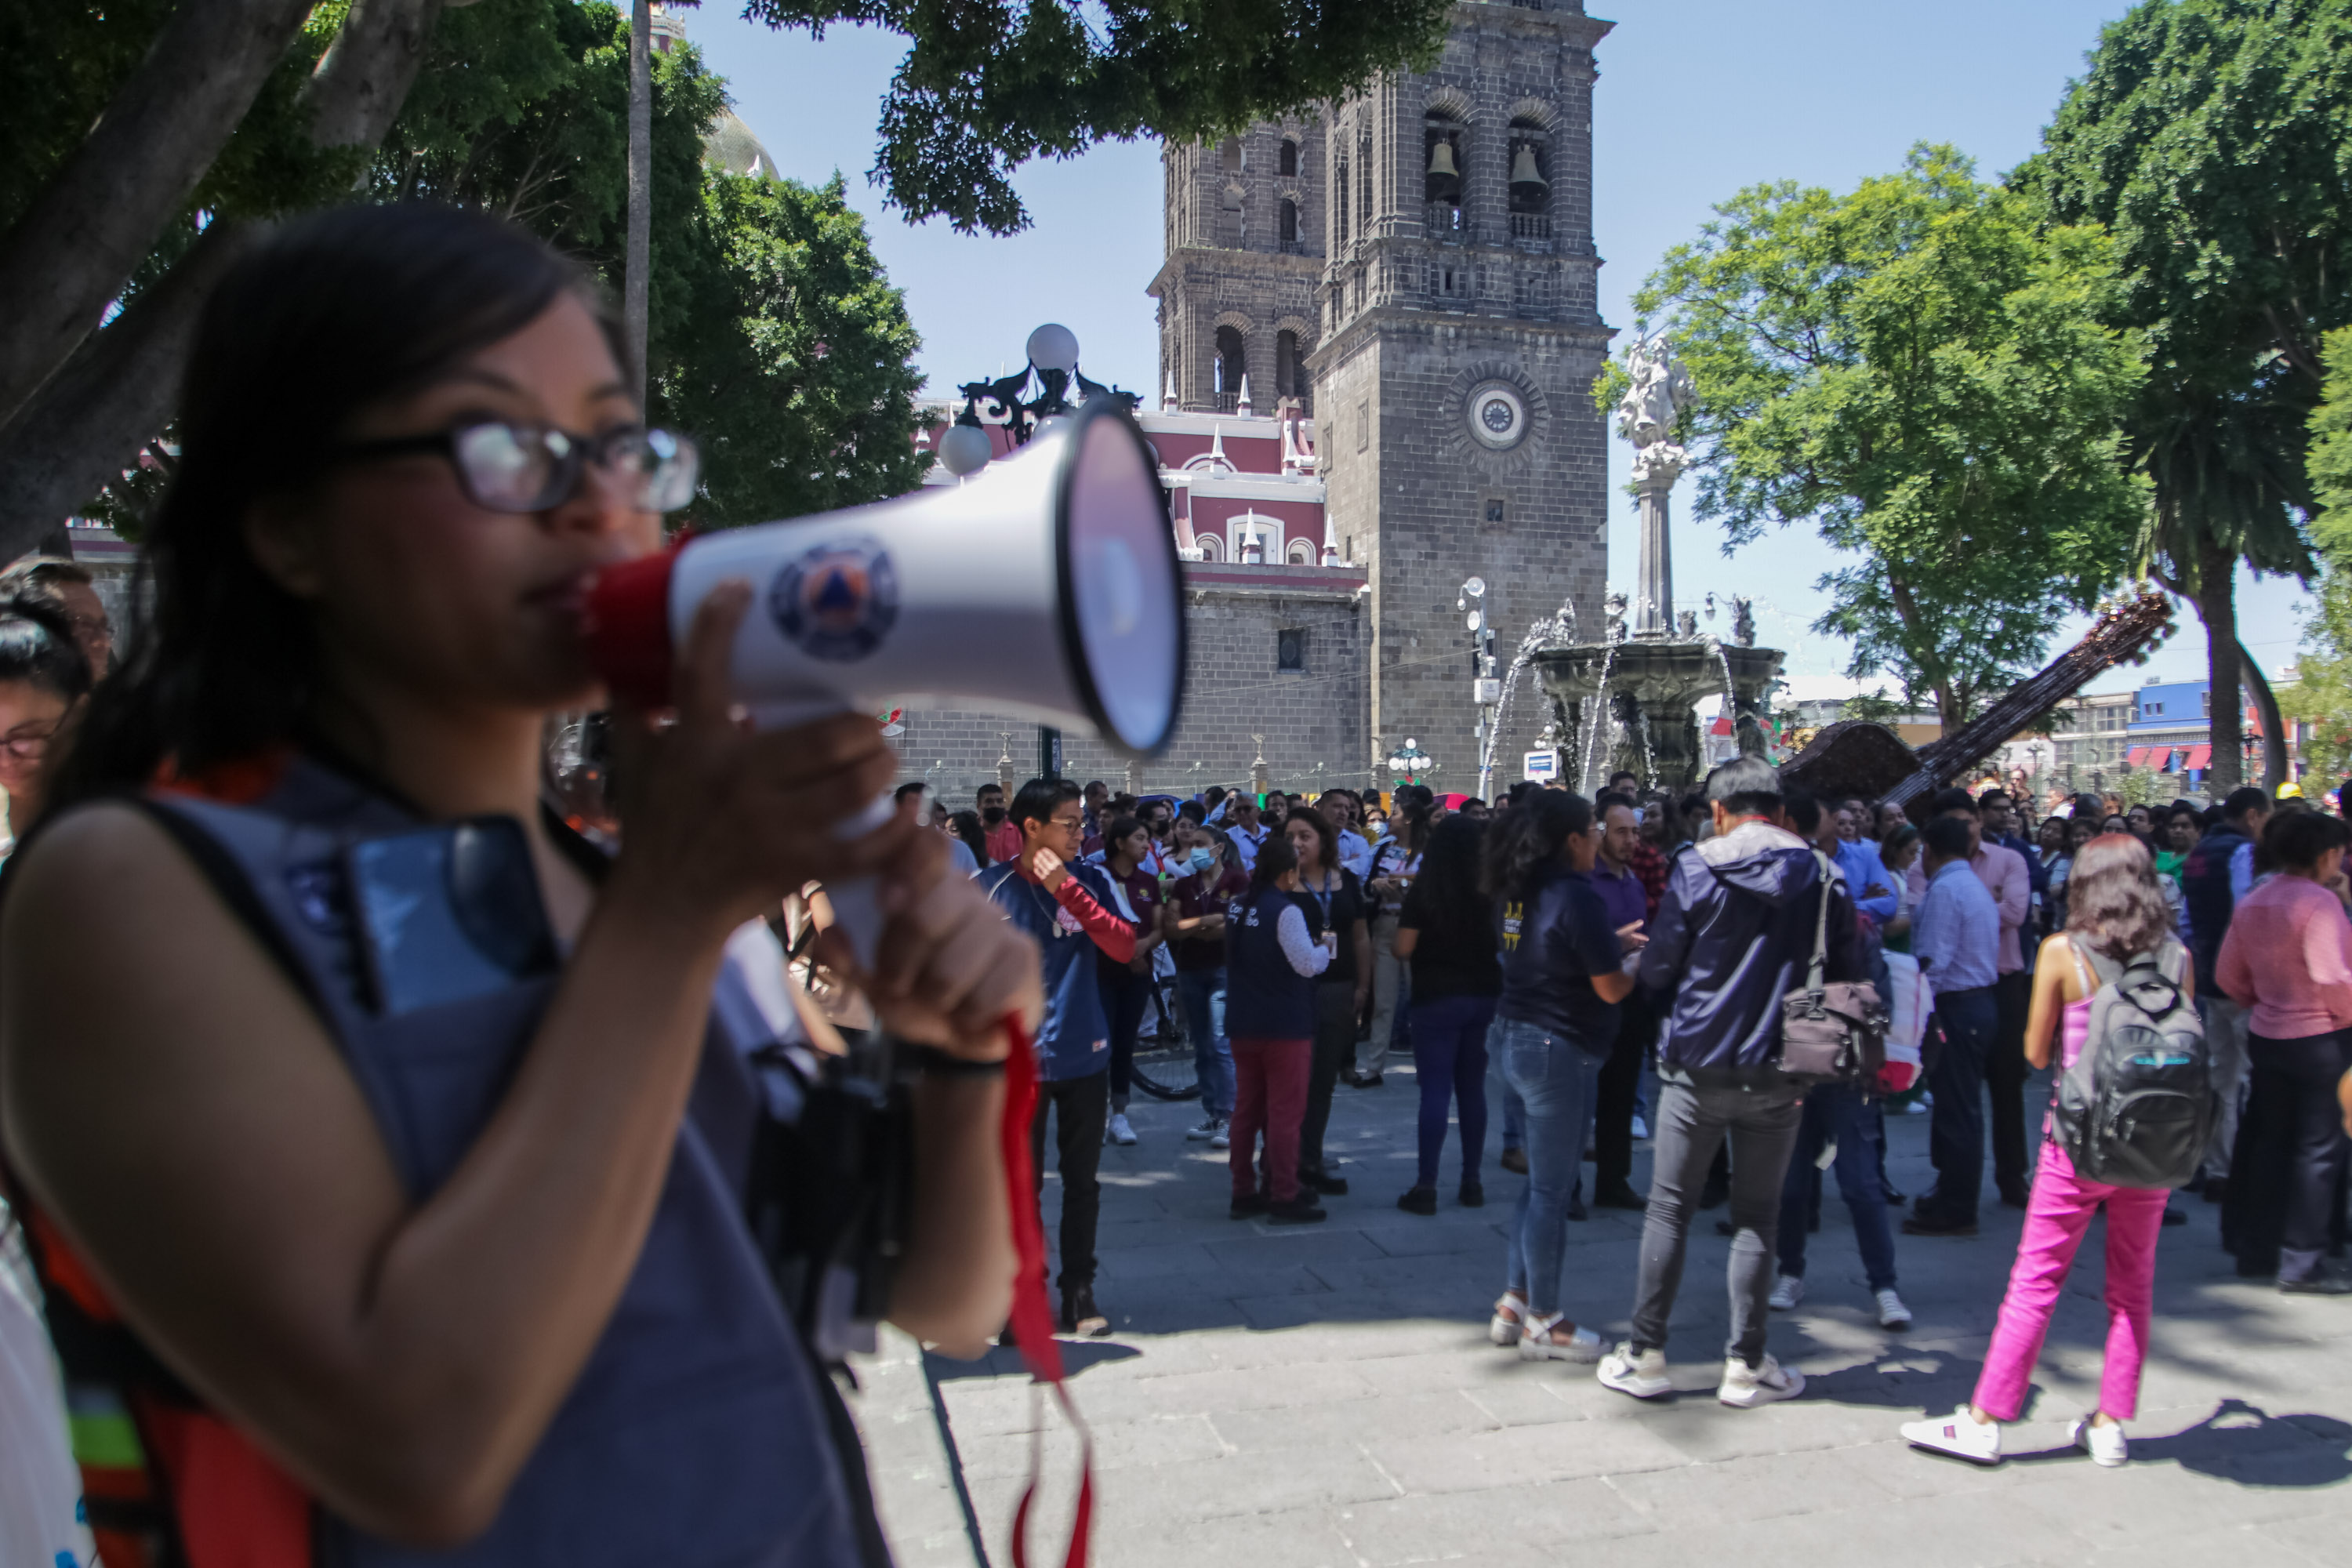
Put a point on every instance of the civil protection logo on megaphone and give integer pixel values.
(838, 600)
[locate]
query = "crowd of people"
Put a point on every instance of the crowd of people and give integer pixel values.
(1552, 962)
(427, 1167)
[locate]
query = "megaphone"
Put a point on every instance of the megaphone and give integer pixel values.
(1047, 586)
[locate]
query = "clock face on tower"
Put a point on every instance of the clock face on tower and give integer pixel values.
(1498, 419)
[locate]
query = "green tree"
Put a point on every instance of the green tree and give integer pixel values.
(118, 114)
(2322, 691)
(793, 361)
(988, 85)
(2213, 138)
(1920, 373)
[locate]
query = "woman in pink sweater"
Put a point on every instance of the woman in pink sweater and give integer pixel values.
(2288, 957)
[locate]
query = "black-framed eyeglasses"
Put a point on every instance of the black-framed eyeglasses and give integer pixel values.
(530, 467)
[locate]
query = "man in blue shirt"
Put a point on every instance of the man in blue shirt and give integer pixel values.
(1866, 876)
(1067, 908)
(1956, 937)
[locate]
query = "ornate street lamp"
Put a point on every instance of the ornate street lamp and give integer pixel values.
(1410, 761)
(965, 448)
(1053, 364)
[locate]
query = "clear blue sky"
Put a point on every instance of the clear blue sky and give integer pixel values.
(1697, 100)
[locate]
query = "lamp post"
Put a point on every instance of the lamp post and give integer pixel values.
(965, 448)
(1410, 761)
(1486, 687)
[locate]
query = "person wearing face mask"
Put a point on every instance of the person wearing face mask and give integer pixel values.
(1271, 965)
(383, 1144)
(1210, 878)
(1003, 835)
(1335, 904)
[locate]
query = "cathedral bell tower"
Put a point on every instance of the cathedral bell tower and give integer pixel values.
(1460, 340)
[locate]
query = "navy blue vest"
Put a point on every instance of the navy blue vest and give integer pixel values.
(1265, 997)
(698, 1431)
(2205, 889)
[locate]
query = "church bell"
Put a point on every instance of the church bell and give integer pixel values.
(1527, 180)
(1445, 178)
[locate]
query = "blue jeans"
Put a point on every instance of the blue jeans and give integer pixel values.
(1203, 994)
(1836, 1113)
(1449, 1059)
(1556, 1079)
(1955, 1133)
(1515, 1112)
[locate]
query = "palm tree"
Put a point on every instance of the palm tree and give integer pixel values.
(639, 259)
(2229, 484)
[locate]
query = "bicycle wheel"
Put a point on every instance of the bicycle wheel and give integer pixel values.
(1164, 1067)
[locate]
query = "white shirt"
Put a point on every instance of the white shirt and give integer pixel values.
(1355, 853)
(1247, 842)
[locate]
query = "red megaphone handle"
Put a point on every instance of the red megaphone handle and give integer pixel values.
(1032, 1319)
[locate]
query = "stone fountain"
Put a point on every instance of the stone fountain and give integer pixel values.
(1628, 703)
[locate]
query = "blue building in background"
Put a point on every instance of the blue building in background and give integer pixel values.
(2170, 730)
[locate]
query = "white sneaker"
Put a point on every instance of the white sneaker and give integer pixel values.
(1642, 1376)
(1892, 1312)
(1223, 1138)
(1641, 1129)
(1744, 1387)
(1959, 1433)
(1538, 1342)
(1510, 1316)
(2105, 1444)
(1120, 1131)
(1788, 1291)
(1208, 1128)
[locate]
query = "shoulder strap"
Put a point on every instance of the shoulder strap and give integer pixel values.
(2081, 975)
(1820, 965)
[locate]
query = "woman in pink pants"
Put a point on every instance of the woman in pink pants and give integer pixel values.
(2113, 911)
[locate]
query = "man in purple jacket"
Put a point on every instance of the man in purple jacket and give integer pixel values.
(1733, 934)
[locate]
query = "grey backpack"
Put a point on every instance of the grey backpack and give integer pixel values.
(2136, 1108)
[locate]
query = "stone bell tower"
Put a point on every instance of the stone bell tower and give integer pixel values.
(1459, 338)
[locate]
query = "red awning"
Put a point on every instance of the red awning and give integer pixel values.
(1722, 726)
(2199, 759)
(2161, 759)
(2137, 756)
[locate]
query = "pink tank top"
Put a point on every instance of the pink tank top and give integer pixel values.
(2073, 1028)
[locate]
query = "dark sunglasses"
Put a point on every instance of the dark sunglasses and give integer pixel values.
(531, 468)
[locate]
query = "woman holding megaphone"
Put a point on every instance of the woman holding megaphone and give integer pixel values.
(373, 1130)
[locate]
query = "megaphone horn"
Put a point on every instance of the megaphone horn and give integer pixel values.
(1047, 586)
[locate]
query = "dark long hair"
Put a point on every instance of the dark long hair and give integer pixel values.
(1528, 837)
(1273, 858)
(337, 311)
(965, 825)
(1448, 884)
(1327, 837)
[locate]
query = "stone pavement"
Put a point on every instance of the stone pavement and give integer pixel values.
(1325, 1397)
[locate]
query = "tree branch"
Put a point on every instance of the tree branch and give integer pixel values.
(101, 212)
(363, 78)
(2275, 767)
(119, 389)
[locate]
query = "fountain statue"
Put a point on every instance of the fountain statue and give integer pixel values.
(1628, 703)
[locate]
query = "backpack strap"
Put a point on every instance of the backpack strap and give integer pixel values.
(2081, 975)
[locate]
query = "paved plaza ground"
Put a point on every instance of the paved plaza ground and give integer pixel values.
(1325, 1397)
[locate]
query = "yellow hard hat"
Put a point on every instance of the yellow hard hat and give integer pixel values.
(2290, 791)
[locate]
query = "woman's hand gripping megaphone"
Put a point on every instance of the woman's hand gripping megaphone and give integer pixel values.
(721, 820)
